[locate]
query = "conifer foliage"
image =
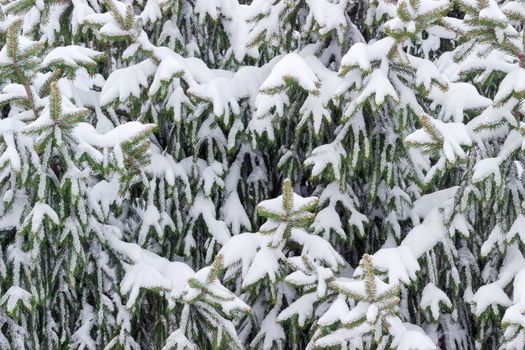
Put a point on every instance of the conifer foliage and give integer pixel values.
(262, 174)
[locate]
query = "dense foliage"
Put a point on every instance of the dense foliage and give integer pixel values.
(142, 142)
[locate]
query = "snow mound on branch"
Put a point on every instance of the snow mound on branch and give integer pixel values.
(148, 270)
(290, 67)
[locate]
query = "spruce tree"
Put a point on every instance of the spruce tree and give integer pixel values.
(266, 174)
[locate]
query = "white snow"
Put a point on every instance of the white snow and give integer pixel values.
(126, 82)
